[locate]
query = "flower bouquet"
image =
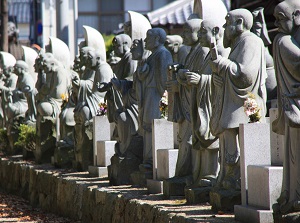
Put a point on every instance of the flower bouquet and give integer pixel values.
(163, 105)
(102, 109)
(251, 109)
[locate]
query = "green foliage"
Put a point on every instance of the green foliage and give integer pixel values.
(27, 137)
(4, 143)
(108, 43)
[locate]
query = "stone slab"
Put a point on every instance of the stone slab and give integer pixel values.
(255, 150)
(174, 186)
(96, 171)
(166, 163)
(247, 214)
(105, 150)
(224, 200)
(154, 186)
(277, 141)
(264, 186)
(175, 133)
(102, 130)
(197, 195)
(162, 138)
(140, 178)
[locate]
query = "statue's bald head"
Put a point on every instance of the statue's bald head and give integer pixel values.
(122, 39)
(242, 16)
(287, 14)
(21, 64)
(194, 24)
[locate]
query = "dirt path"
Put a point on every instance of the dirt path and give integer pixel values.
(16, 209)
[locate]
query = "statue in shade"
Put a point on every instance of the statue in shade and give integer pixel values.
(286, 51)
(153, 76)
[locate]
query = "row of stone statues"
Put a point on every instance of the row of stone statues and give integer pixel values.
(208, 79)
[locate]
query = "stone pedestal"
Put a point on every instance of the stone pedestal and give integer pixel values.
(255, 150)
(163, 141)
(224, 200)
(175, 186)
(197, 195)
(264, 187)
(45, 141)
(102, 131)
(105, 150)
(277, 141)
(166, 164)
(162, 138)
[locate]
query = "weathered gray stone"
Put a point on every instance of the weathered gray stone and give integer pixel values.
(264, 186)
(197, 195)
(105, 150)
(102, 130)
(98, 171)
(162, 138)
(249, 214)
(154, 186)
(255, 150)
(224, 200)
(166, 163)
(277, 141)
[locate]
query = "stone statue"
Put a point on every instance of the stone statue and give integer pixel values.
(82, 114)
(174, 43)
(260, 29)
(153, 76)
(29, 56)
(286, 51)
(238, 75)
(14, 47)
(124, 69)
(41, 82)
(93, 58)
(7, 63)
(25, 85)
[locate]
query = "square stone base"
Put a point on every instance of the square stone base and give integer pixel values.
(248, 214)
(197, 195)
(224, 200)
(97, 171)
(140, 178)
(174, 186)
(154, 186)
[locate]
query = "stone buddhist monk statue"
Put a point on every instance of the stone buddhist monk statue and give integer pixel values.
(174, 43)
(286, 50)
(153, 75)
(244, 71)
(9, 81)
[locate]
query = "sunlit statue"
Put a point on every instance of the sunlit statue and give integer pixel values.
(8, 83)
(244, 71)
(286, 51)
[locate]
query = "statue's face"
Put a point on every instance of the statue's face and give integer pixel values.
(18, 70)
(137, 49)
(151, 41)
(118, 47)
(205, 34)
(83, 56)
(91, 60)
(48, 66)
(284, 19)
(189, 35)
(230, 32)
